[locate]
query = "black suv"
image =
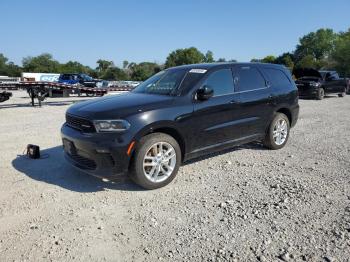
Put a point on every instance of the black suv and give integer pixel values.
(178, 114)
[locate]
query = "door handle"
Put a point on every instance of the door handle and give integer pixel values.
(234, 102)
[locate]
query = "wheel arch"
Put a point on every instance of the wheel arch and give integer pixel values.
(165, 127)
(287, 112)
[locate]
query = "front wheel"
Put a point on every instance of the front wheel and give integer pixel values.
(156, 161)
(320, 94)
(278, 132)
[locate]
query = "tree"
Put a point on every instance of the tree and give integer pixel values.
(286, 59)
(103, 65)
(221, 60)
(315, 46)
(8, 68)
(114, 73)
(125, 64)
(43, 63)
(3, 65)
(341, 54)
(74, 67)
(209, 57)
(269, 59)
(185, 56)
(255, 60)
(307, 61)
(142, 71)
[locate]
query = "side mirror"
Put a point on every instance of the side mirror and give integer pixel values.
(204, 93)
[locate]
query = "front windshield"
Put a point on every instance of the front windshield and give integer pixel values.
(86, 77)
(162, 83)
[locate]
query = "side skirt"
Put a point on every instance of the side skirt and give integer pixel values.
(222, 146)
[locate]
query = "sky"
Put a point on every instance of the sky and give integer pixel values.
(138, 31)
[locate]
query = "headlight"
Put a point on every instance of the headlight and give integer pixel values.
(111, 125)
(314, 84)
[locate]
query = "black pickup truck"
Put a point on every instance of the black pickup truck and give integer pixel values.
(312, 83)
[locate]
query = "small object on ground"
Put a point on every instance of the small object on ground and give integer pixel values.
(33, 151)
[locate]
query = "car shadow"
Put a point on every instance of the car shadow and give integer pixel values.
(53, 169)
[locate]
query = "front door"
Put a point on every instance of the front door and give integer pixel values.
(215, 118)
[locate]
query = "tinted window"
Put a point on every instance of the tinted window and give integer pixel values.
(162, 83)
(190, 80)
(65, 77)
(277, 77)
(334, 75)
(221, 82)
(248, 78)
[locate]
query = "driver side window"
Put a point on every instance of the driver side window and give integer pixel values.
(221, 82)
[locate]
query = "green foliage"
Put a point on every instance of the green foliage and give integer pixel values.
(74, 67)
(103, 65)
(185, 56)
(316, 46)
(221, 60)
(286, 59)
(341, 54)
(209, 57)
(269, 59)
(43, 63)
(8, 68)
(142, 71)
(114, 73)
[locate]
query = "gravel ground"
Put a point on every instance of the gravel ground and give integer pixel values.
(246, 204)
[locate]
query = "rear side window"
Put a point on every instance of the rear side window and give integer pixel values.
(221, 82)
(277, 77)
(248, 78)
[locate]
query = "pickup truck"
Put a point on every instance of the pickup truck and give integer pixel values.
(312, 83)
(82, 79)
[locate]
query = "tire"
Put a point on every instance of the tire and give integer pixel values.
(320, 94)
(149, 146)
(272, 142)
(342, 94)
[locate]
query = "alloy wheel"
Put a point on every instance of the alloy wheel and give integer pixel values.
(280, 132)
(159, 162)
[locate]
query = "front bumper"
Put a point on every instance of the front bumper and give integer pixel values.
(101, 155)
(307, 92)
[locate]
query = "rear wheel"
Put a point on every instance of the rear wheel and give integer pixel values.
(156, 161)
(278, 133)
(320, 94)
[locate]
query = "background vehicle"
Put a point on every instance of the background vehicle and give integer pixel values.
(82, 79)
(178, 114)
(5, 96)
(316, 84)
(45, 77)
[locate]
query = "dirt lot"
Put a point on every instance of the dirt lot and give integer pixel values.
(246, 204)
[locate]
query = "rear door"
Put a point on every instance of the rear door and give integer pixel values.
(255, 97)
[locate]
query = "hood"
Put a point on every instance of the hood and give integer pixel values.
(303, 72)
(118, 106)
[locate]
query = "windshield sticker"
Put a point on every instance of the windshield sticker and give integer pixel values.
(198, 71)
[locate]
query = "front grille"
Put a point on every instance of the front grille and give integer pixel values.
(79, 123)
(84, 162)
